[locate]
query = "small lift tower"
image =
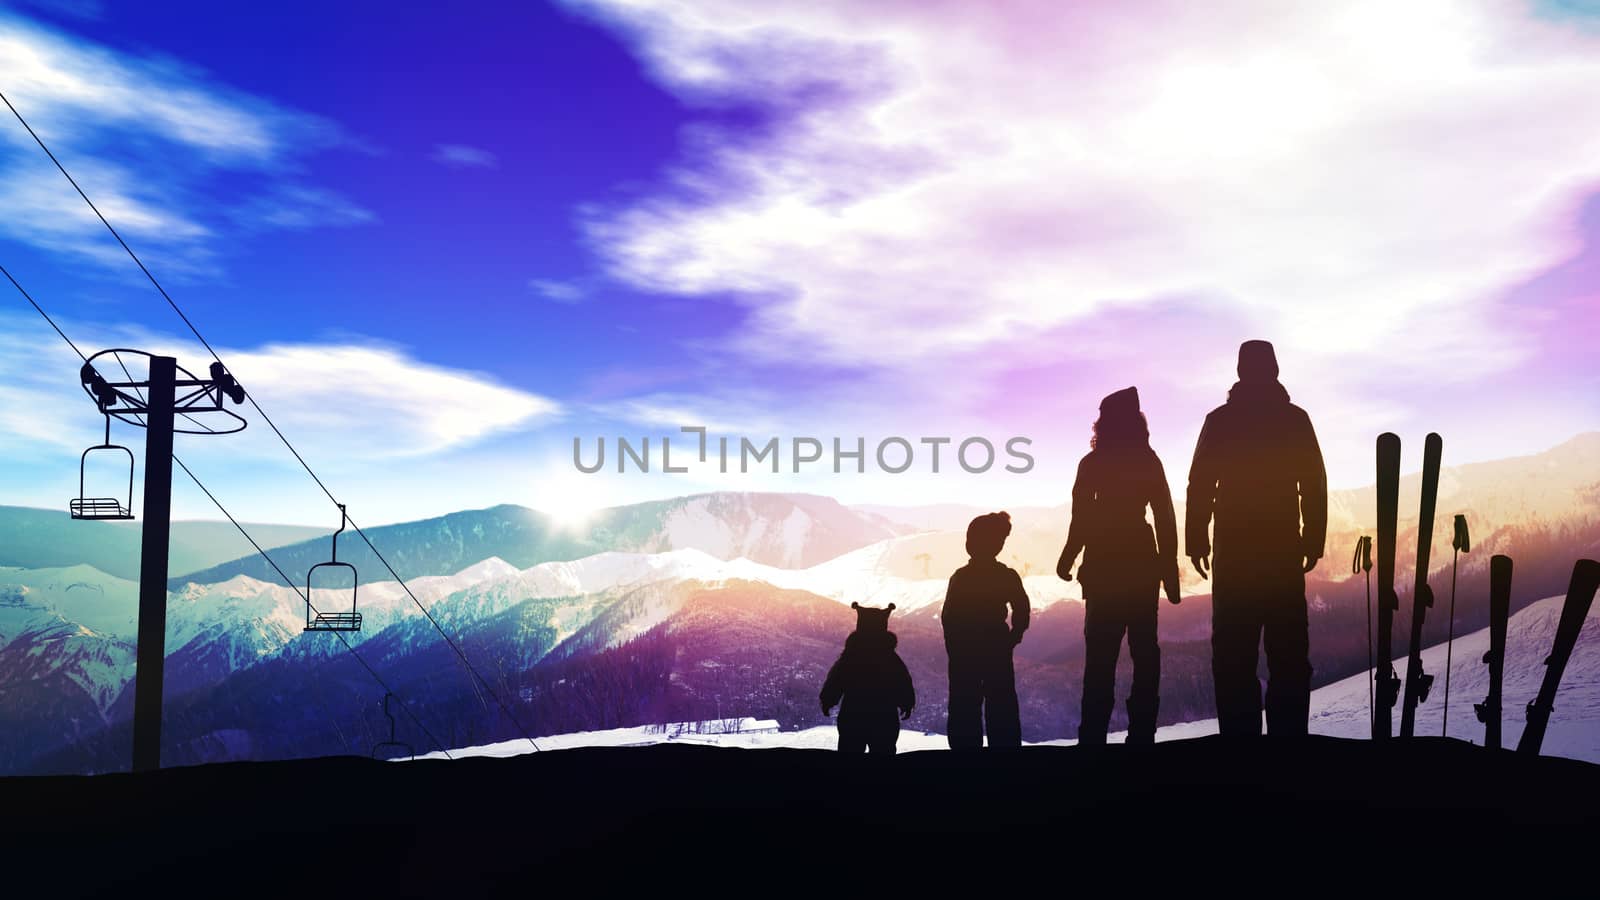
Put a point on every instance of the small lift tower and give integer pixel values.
(153, 403)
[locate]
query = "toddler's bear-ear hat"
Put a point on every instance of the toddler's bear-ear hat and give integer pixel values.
(870, 619)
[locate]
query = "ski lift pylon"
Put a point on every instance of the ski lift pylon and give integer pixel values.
(84, 507)
(334, 621)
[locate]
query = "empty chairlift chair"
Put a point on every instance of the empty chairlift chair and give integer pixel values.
(85, 507)
(386, 749)
(333, 621)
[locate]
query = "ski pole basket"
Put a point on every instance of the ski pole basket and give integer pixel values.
(333, 621)
(102, 507)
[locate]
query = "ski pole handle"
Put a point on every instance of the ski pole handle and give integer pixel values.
(1362, 562)
(1462, 542)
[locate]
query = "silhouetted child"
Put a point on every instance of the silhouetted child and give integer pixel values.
(869, 683)
(983, 685)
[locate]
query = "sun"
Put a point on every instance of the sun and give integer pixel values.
(570, 499)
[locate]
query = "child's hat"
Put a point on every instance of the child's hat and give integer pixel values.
(870, 619)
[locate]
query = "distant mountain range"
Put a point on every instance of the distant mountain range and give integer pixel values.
(791, 530)
(674, 610)
(45, 538)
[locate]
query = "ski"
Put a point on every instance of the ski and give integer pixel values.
(1580, 596)
(1461, 543)
(1388, 601)
(1499, 610)
(1418, 681)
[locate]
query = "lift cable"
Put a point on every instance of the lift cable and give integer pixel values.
(453, 646)
(163, 291)
(253, 543)
(35, 305)
(263, 413)
(293, 587)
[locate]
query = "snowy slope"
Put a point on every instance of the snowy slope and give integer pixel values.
(1338, 710)
(1341, 708)
(753, 736)
(43, 632)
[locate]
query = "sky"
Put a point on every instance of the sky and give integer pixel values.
(439, 244)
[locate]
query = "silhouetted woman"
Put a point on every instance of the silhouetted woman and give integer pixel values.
(1124, 565)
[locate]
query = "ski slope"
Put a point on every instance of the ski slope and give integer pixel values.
(1338, 710)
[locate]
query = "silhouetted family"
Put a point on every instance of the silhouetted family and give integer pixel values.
(1257, 474)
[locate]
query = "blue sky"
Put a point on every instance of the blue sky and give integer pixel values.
(406, 177)
(439, 243)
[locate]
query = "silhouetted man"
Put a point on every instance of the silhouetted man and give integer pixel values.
(983, 684)
(1258, 469)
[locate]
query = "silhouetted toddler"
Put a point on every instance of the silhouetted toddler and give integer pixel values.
(869, 683)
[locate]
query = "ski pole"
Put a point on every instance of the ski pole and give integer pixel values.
(1363, 563)
(1462, 544)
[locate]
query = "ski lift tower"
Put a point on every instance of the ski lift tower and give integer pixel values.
(153, 404)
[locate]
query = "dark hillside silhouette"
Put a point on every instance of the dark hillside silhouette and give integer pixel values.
(443, 828)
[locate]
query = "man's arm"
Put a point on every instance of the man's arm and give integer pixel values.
(1313, 479)
(1166, 529)
(906, 694)
(1201, 498)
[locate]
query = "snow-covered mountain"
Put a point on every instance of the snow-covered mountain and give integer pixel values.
(787, 530)
(75, 621)
(1338, 710)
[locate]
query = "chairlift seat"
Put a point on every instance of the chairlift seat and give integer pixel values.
(377, 749)
(320, 620)
(339, 621)
(99, 508)
(82, 507)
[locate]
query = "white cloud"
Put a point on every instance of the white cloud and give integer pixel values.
(728, 412)
(1340, 175)
(559, 291)
(143, 136)
(296, 207)
(76, 88)
(342, 402)
(382, 399)
(43, 210)
(460, 156)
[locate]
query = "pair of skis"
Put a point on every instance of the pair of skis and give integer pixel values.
(1574, 609)
(1417, 682)
(1388, 682)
